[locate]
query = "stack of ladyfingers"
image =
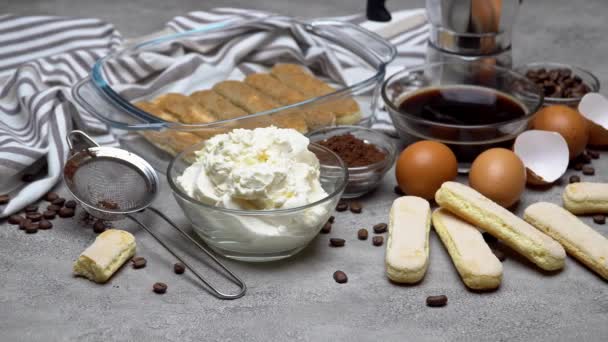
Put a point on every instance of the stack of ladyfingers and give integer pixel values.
(285, 85)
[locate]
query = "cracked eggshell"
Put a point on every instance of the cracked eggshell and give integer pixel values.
(544, 154)
(594, 107)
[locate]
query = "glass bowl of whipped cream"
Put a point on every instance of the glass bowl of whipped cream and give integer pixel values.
(257, 195)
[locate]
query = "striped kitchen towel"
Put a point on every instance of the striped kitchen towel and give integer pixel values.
(41, 57)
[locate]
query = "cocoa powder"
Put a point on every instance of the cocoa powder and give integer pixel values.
(354, 151)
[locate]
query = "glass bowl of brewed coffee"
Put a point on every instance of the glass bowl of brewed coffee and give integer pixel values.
(470, 107)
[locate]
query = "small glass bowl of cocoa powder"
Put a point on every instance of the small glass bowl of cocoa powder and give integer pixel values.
(369, 154)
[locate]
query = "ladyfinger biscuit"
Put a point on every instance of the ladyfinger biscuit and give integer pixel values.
(580, 240)
(346, 110)
(407, 247)
(516, 233)
(109, 251)
(184, 108)
(218, 105)
(268, 85)
(254, 101)
(478, 267)
(586, 198)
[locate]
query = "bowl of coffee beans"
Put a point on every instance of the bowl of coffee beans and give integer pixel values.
(561, 83)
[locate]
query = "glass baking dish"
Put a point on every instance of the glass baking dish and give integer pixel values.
(123, 85)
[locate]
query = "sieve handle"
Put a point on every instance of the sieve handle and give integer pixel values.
(214, 291)
(79, 140)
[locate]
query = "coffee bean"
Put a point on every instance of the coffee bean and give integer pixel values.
(560, 83)
(362, 234)
(70, 204)
(4, 199)
(179, 268)
(578, 166)
(15, 219)
(574, 179)
(337, 242)
(488, 238)
(99, 226)
(34, 217)
(377, 240)
(355, 207)
(500, 255)
(53, 207)
(584, 158)
(66, 212)
(380, 228)
(49, 214)
(31, 208)
(593, 154)
(28, 177)
(331, 219)
(59, 201)
(51, 196)
(326, 228)
(342, 206)
(599, 219)
(159, 288)
(436, 301)
(398, 190)
(138, 262)
(44, 224)
(24, 223)
(340, 277)
(588, 170)
(31, 228)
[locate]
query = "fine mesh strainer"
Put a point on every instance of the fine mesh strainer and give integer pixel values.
(112, 183)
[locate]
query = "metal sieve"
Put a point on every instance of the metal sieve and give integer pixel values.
(112, 183)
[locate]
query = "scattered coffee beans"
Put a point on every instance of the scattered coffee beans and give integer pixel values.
(34, 217)
(24, 223)
(342, 206)
(355, 207)
(436, 301)
(574, 179)
(138, 262)
(398, 190)
(593, 154)
(66, 212)
(4, 199)
(588, 170)
(337, 242)
(70, 204)
(326, 228)
(59, 201)
(99, 226)
(380, 228)
(15, 219)
(560, 83)
(331, 219)
(159, 288)
(31, 208)
(340, 277)
(31, 228)
(377, 240)
(179, 268)
(489, 238)
(49, 214)
(500, 255)
(362, 234)
(578, 166)
(44, 224)
(53, 207)
(599, 219)
(51, 196)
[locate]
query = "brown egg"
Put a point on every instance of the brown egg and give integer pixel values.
(500, 175)
(423, 166)
(598, 136)
(567, 122)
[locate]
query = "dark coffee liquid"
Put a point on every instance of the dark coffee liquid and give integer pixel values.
(462, 105)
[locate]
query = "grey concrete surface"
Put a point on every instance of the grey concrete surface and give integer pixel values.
(297, 299)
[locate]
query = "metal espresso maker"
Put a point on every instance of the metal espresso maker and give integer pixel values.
(464, 30)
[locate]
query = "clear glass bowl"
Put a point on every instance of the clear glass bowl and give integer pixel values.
(362, 179)
(261, 235)
(467, 141)
(586, 76)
